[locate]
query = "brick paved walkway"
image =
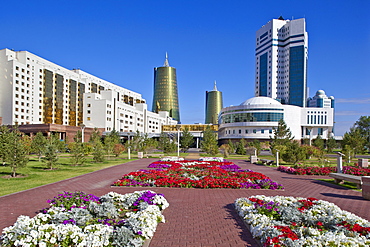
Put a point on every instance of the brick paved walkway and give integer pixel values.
(196, 217)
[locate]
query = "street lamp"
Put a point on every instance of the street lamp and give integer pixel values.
(277, 157)
(178, 140)
(129, 148)
(82, 132)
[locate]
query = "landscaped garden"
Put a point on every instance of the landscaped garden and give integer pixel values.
(79, 219)
(197, 174)
(288, 221)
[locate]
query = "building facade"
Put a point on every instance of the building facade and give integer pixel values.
(105, 110)
(165, 96)
(35, 91)
(321, 100)
(213, 105)
(256, 118)
(281, 57)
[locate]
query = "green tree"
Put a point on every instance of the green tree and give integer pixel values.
(4, 140)
(319, 142)
(282, 136)
(78, 151)
(330, 144)
(293, 153)
(186, 140)
(149, 144)
(257, 145)
(363, 124)
(16, 156)
(209, 142)
(110, 141)
(240, 147)
(52, 147)
(166, 143)
(231, 146)
(98, 151)
(38, 145)
(355, 141)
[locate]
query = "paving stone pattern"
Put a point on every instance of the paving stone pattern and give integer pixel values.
(196, 217)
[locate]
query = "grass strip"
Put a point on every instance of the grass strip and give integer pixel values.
(35, 173)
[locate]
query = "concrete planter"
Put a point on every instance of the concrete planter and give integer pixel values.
(366, 187)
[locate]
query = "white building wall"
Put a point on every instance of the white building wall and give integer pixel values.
(108, 113)
(22, 88)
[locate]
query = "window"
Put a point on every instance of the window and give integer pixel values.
(254, 131)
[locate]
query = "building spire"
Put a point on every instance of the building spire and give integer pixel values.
(166, 64)
(214, 87)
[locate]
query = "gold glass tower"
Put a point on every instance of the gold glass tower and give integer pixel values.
(213, 105)
(165, 90)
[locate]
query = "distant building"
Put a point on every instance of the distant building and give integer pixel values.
(256, 118)
(213, 105)
(320, 100)
(281, 61)
(165, 96)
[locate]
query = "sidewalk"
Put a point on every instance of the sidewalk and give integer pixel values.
(196, 217)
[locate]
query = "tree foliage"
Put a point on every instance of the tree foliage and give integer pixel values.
(293, 153)
(330, 144)
(240, 147)
(15, 150)
(354, 140)
(78, 150)
(149, 144)
(38, 145)
(52, 147)
(257, 145)
(167, 144)
(363, 124)
(319, 142)
(282, 136)
(109, 142)
(231, 147)
(209, 142)
(98, 150)
(186, 140)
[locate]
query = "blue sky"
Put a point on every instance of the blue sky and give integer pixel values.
(122, 41)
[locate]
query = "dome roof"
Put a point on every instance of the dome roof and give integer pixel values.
(320, 92)
(261, 101)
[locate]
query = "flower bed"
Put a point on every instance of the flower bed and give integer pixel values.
(357, 171)
(217, 159)
(172, 158)
(79, 219)
(288, 221)
(197, 174)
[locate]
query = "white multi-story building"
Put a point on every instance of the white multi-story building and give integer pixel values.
(281, 61)
(36, 91)
(105, 110)
(256, 118)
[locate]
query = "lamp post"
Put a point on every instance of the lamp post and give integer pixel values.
(277, 157)
(178, 140)
(82, 132)
(129, 147)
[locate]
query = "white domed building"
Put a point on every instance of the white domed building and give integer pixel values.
(256, 118)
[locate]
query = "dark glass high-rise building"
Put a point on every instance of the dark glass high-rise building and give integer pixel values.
(281, 61)
(213, 105)
(165, 90)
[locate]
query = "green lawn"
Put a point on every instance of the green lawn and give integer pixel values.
(35, 173)
(346, 184)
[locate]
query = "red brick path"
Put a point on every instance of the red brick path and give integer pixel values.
(196, 217)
